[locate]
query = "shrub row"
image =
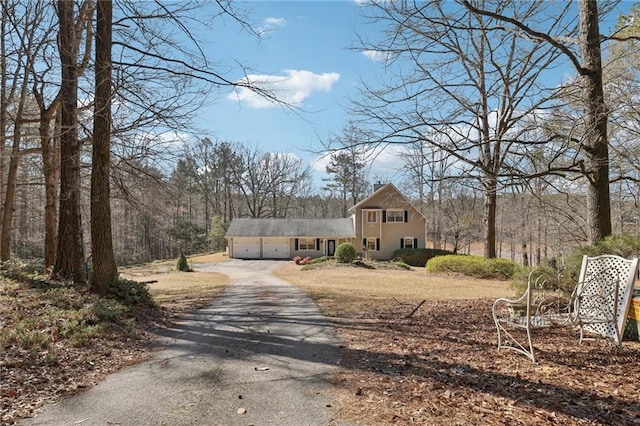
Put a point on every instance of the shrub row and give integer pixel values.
(418, 256)
(474, 266)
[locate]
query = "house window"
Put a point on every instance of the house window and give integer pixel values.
(307, 244)
(371, 244)
(395, 216)
(408, 242)
(372, 216)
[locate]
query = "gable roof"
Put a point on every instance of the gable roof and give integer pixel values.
(330, 228)
(386, 187)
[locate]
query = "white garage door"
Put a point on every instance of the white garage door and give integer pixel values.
(246, 248)
(275, 248)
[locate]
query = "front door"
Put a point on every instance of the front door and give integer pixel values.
(331, 247)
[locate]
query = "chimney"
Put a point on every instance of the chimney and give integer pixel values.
(378, 185)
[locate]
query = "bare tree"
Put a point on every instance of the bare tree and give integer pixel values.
(462, 85)
(269, 181)
(22, 31)
(425, 171)
(288, 177)
(588, 65)
(348, 156)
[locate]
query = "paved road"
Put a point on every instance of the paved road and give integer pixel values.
(260, 355)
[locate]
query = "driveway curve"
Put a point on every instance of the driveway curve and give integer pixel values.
(261, 354)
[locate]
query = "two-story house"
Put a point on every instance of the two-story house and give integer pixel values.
(380, 224)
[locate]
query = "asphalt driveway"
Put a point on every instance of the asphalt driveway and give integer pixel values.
(262, 354)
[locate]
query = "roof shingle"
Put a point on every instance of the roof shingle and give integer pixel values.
(330, 228)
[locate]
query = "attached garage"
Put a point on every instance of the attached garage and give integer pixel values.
(271, 238)
(246, 248)
(275, 248)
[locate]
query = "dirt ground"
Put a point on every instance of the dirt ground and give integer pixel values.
(440, 366)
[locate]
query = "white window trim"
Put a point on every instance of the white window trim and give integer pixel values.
(410, 239)
(305, 246)
(389, 211)
(375, 213)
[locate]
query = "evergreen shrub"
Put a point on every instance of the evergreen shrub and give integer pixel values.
(474, 266)
(345, 253)
(183, 265)
(418, 256)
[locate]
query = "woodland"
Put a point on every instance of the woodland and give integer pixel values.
(93, 95)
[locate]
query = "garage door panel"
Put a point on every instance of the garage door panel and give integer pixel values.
(246, 248)
(275, 248)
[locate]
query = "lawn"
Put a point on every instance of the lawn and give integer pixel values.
(180, 291)
(349, 290)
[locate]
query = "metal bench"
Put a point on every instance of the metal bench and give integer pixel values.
(598, 304)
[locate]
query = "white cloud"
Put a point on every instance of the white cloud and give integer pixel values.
(174, 138)
(275, 22)
(271, 24)
(374, 55)
(381, 161)
(320, 164)
(293, 87)
(377, 55)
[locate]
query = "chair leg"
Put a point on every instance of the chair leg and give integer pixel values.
(531, 355)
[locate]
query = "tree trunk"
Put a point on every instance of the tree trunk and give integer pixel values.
(489, 217)
(596, 144)
(51, 175)
(69, 263)
(48, 126)
(9, 196)
(12, 175)
(105, 271)
(4, 104)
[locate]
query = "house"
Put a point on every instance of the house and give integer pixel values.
(380, 224)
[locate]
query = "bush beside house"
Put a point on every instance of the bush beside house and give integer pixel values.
(345, 253)
(418, 256)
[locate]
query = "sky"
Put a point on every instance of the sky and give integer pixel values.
(305, 50)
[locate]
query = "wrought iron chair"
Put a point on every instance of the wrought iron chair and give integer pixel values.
(538, 307)
(598, 304)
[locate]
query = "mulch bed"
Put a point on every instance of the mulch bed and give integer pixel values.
(441, 366)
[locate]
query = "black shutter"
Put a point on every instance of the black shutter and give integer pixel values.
(296, 245)
(401, 242)
(317, 244)
(406, 216)
(415, 243)
(384, 216)
(377, 244)
(364, 243)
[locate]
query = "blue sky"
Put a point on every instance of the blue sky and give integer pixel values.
(305, 49)
(306, 53)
